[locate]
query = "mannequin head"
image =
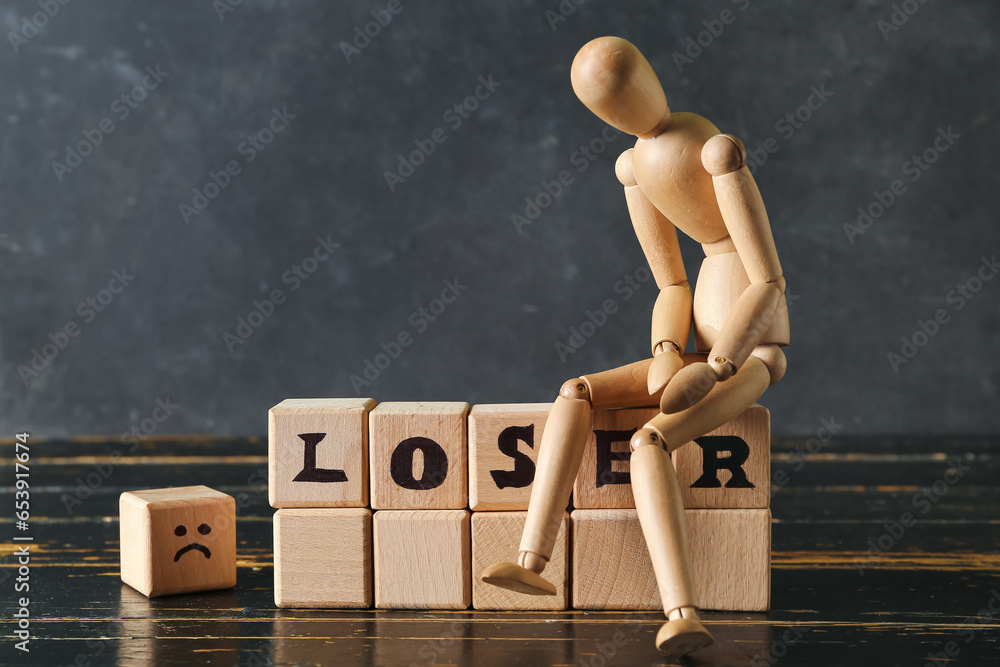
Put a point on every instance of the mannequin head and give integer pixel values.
(617, 83)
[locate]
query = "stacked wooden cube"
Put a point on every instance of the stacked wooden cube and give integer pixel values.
(402, 505)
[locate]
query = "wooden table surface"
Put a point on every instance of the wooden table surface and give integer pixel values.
(927, 593)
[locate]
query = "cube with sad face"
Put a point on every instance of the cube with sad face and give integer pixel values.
(178, 540)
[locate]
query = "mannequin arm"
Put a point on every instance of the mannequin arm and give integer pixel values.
(746, 220)
(671, 323)
(750, 317)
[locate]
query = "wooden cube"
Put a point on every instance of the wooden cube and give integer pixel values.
(730, 468)
(422, 559)
(318, 452)
(730, 551)
(323, 557)
(496, 536)
(503, 449)
(418, 456)
(177, 540)
(604, 480)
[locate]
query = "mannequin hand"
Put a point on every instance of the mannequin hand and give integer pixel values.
(688, 386)
(665, 365)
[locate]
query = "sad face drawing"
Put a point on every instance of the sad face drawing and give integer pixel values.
(181, 531)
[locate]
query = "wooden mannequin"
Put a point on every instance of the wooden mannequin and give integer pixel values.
(681, 174)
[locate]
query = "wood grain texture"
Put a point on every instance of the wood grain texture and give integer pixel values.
(489, 467)
(336, 432)
(730, 553)
(832, 496)
(603, 480)
(495, 538)
(418, 455)
(323, 557)
(177, 540)
(422, 559)
(752, 427)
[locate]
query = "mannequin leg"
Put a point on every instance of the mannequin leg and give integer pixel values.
(658, 500)
(559, 456)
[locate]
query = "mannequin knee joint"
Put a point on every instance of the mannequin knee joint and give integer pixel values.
(646, 437)
(576, 389)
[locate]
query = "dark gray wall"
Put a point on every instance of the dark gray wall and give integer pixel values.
(323, 176)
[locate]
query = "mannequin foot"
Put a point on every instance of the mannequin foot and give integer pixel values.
(515, 578)
(683, 634)
(521, 577)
